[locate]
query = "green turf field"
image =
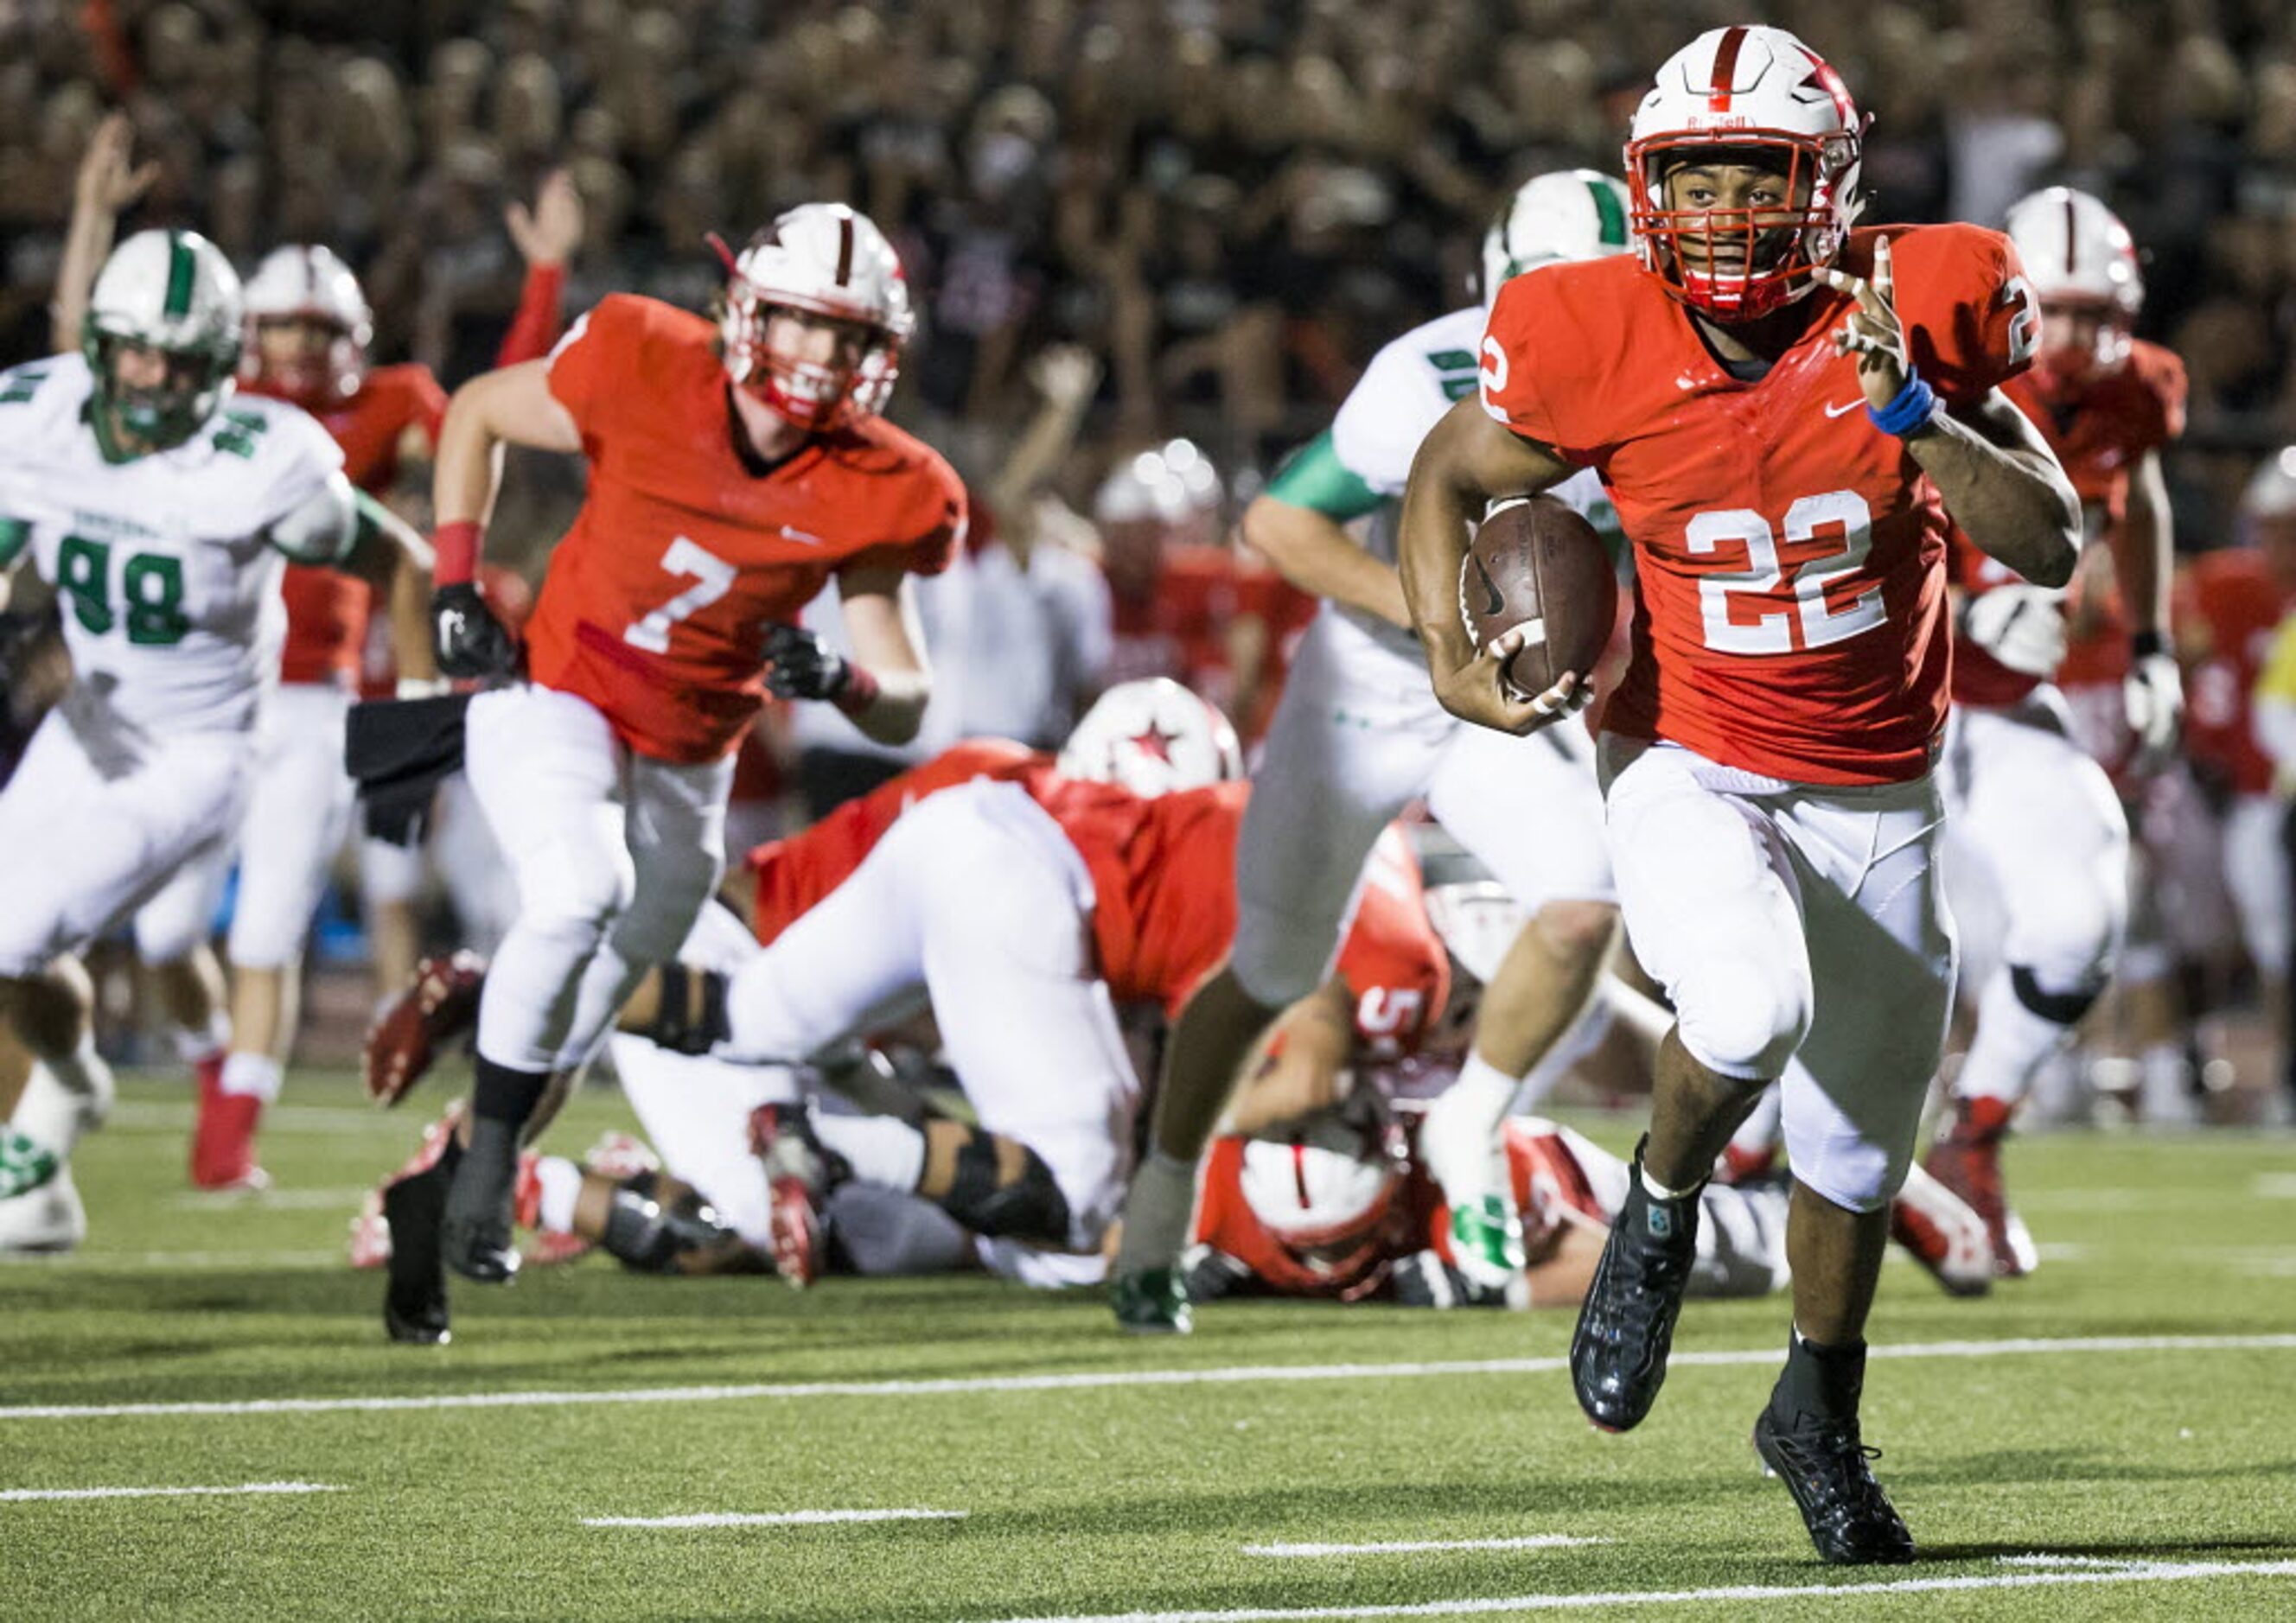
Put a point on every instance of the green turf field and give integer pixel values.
(2056, 1454)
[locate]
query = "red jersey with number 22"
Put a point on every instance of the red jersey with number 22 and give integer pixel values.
(656, 603)
(1789, 555)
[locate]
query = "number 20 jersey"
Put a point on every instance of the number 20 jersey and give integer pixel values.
(165, 566)
(656, 603)
(1790, 617)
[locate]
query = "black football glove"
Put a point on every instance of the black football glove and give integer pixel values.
(1207, 1274)
(803, 665)
(1424, 1280)
(469, 640)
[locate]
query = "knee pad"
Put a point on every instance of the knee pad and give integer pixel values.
(2059, 1008)
(1742, 1018)
(1031, 1209)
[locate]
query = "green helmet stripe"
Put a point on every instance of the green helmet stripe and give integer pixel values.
(183, 267)
(1613, 218)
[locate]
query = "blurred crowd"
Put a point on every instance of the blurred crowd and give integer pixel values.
(1230, 202)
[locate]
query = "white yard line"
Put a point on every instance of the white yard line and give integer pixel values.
(2275, 1185)
(142, 1115)
(348, 1197)
(777, 1518)
(96, 1261)
(15, 1495)
(1532, 1541)
(2133, 1572)
(1762, 1357)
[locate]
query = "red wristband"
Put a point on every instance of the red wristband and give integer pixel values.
(455, 547)
(859, 691)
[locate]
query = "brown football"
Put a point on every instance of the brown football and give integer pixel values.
(1536, 564)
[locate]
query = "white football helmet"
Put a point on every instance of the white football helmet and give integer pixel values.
(1152, 737)
(1173, 484)
(2271, 492)
(2078, 253)
(1325, 1194)
(824, 260)
(172, 291)
(1757, 91)
(1568, 214)
(304, 281)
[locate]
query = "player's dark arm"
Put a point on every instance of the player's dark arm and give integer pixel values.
(2143, 550)
(2003, 487)
(887, 644)
(1467, 460)
(1308, 547)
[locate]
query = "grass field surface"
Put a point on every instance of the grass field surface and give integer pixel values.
(199, 1418)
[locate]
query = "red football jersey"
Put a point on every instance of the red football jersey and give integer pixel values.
(1790, 616)
(2226, 608)
(327, 610)
(1163, 875)
(656, 603)
(2100, 433)
(793, 874)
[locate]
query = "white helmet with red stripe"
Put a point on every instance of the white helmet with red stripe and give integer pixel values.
(2077, 253)
(1153, 737)
(1325, 1194)
(1757, 94)
(304, 281)
(821, 259)
(2271, 492)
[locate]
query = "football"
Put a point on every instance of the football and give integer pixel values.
(1537, 564)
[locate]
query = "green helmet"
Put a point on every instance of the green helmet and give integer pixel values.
(172, 291)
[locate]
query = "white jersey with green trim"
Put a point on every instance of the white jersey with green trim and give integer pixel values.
(1401, 395)
(166, 567)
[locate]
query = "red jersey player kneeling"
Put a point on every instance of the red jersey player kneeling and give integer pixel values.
(734, 471)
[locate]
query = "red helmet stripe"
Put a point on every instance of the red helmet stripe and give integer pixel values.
(1831, 83)
(1299, 1175)
(1726, 71)
(844, 249)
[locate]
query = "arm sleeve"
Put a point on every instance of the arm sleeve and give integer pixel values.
(1988, 320)
(535, 325)
(935, 535)
(302, 484)
(1317, 477)
(587, 369)
(321, 528)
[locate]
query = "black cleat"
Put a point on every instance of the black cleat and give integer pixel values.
(1824, 1466)
(1626, 1324)
(476, 1230)
(414, 1301)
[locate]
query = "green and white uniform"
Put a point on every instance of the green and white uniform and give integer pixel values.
(167, 568)
(1360, 733)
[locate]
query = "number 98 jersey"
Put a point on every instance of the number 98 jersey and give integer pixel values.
(167, 566)
(1790, 618)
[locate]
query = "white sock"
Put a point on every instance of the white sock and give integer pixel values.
(253, 1073)
(1482, 1092)
(48, 1115)
(1156, 1213)
(1659, 1191)
(881, 1150)
(2012, 1045)
(562, 1186)
(195, 1045)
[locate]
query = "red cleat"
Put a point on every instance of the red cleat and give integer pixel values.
(797, 1178)
(223, 1135)
(1940, 1231)
(1966, 1158)
(440, 1007)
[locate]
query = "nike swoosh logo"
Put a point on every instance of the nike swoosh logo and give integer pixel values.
(798, 535)
(1844, 409)
(1498, 605)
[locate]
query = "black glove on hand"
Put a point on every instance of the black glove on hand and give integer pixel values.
(469, 640)
(803, 665)
(1207, 1274)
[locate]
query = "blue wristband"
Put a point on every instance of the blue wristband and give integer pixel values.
(1910, 411)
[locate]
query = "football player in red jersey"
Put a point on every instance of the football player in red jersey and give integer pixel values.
(1783, 410)
(2035, 812)
(734, 471)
